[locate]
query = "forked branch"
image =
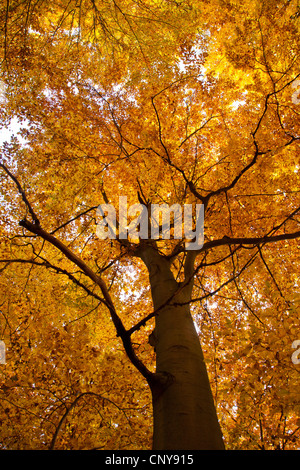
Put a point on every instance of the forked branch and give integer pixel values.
(36, 229)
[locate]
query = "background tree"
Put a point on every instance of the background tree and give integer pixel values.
(162, 102)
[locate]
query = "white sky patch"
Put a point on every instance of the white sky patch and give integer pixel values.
(237, 103)
(13, 129)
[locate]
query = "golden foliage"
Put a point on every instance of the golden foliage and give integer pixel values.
(177, 101)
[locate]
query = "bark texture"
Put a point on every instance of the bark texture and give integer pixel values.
(183, 407)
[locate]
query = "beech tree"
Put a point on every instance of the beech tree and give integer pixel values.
(131, 342)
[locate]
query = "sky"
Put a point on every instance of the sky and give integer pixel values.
(6, 133)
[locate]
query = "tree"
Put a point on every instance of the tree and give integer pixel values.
(160, 102)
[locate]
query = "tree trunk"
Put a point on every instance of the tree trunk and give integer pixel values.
(183, 408)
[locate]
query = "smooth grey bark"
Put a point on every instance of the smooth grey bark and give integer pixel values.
(183, 408)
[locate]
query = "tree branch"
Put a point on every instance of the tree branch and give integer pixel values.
(59, 270)
(120, 329)
(73, 404)
(22, 192)
(249, 240)
(74, 218)
(197, 130)
(159, 130)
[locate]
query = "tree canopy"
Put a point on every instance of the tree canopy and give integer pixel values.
(162, 102)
